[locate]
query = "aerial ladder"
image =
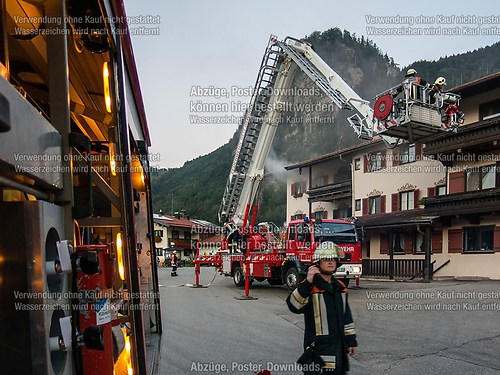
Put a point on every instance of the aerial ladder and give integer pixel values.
(398, 116)
(408, 119)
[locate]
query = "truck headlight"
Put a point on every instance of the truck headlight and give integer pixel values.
(356, 269)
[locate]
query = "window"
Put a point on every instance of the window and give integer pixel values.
(398, 243)
(342, 213)
(320, 181)
(357, 205)
(187, 235)
(374, 205)
(441, 190)
(375, 161)
(480, 178)
(407, 153)
(407, 200)
(175, 234)
(298, 189)
(419, 244)
(357, 164)
(489, 110)
(298, 216)
(478, 239)
(159, 233)
(291, 233)
(320, 215)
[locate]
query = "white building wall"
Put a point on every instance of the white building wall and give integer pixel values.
(421, 174)
(297, 205)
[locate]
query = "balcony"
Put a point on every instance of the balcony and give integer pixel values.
(472, 202)
(330, 192)
(472, 138)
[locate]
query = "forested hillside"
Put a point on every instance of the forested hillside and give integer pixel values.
(305, 132)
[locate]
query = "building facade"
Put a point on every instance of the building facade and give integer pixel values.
(180, 234)
(441, 196)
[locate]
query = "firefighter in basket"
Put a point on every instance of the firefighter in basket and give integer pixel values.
(329, 335)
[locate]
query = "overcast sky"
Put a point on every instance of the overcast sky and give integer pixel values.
(220, 43)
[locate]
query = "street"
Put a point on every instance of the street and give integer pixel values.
(445, 327)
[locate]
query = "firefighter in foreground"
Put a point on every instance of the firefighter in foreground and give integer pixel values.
(329, 329)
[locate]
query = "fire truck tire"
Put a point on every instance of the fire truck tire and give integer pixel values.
(238, 277)
(293, 278)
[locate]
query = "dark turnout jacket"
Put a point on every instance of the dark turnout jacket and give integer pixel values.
(329, 327)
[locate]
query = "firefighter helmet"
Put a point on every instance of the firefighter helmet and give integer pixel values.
(441, 81)
(328, 251)
(410, 72)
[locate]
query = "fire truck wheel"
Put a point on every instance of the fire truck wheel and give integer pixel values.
(293, 278)
(238, 278)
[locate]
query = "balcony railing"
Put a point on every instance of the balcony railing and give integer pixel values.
(336, 190)
(467, 202)
(404, 268)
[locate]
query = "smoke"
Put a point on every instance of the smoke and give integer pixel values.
(275, 167)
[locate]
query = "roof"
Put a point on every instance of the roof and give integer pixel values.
(477, 86)
(181, 222)
(332, 155)
(172, 221)
(396, 219)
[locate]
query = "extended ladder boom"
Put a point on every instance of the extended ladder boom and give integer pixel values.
(417, 121)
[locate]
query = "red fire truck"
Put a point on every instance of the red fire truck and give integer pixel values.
(286, 262)
(250, 250)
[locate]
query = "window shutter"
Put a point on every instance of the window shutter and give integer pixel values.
(384, 243)
(457, 182)
(455, 241)
(292, 189)
(431, 191)
(418, 151)
(496, 239)
(437, 241)
(416, 197)
(365, 206)
(366, 163)
(382, 204)
(325, 214)
(395, 202)
(292, 218)
(383, 162)
(303, 187)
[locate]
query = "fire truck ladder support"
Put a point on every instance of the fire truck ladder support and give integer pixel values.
(250, 130)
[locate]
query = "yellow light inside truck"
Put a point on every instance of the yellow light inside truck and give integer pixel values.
(107, 92)
(112, 159)
(119, 255)
(129, 355)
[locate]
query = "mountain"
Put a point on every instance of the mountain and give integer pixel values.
(310, 126)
